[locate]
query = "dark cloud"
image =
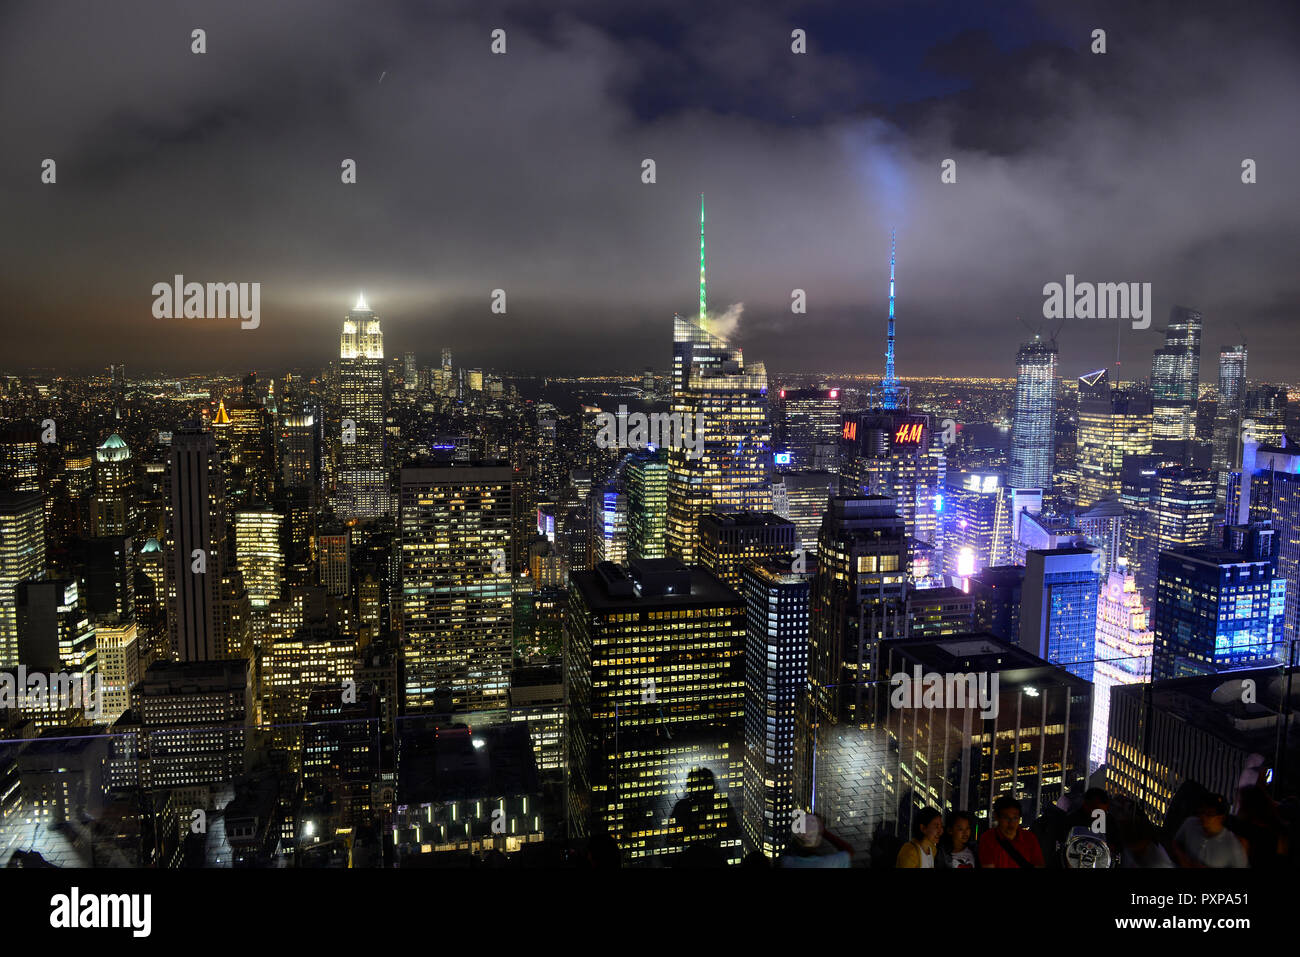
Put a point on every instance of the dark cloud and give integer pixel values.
(522, 172)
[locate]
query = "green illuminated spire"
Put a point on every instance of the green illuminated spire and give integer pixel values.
(702, 314)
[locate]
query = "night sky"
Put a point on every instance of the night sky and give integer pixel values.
(523, 172)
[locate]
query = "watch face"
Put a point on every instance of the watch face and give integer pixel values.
(1084, 849)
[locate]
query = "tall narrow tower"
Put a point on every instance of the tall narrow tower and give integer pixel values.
(703, 316)
(890, 386)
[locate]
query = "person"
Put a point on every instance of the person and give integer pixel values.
(814, 846)
(1141, 849)
(955, 847)
(1008, 844)
(1260, 828)
(920, 850)
(1204, 840)
(1053, 830)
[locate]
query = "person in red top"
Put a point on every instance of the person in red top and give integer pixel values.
(1008, 844)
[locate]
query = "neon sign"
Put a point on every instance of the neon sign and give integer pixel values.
(909, 433)
(850, 430)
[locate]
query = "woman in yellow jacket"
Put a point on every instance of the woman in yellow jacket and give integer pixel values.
(921, 849)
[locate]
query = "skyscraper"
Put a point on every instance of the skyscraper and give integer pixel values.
(728, 542)
(810, 428)
(654, 662)
(1122, 650)
(1268, 490)
(22, 556)
(197, 548)
(712, 386)
(259, 553)
(1112, 424)
(776, 677)
(1220, 609)
(1228, 415)
(1032, 435)
(1058, 620)
(1175, 384)
(647, 504)
(362, 488)
(858, 600)
(457, 607)
(112, 507)
(1265, 416)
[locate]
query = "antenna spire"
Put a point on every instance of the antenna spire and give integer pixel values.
(890, 385)
(703, 317)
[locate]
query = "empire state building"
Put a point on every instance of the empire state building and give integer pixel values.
(362, 487)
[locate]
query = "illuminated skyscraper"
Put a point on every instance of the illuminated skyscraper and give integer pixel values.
(1058, 620)
(457, 607)
(801, 497)
(647, 504)
(1271, 493)
(971, 506)
(654, 663)
(20, 444)
(22, 556)
(1112, 424)
(1265, 416)
(608, 542)
(776, 677)
(259, 553)
(1220, 609)
(810, 434)
(1175, 384)
(859, 599)
(1227, 418)
(1123, 650)
(362, 488)
(300, 449)
(1032, 426)
(714, 390)
(895, 453)
(728, 542)
(112, 507)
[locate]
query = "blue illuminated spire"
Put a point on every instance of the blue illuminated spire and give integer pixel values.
(889, 388)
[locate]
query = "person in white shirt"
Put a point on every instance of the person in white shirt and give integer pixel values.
(1205, 841)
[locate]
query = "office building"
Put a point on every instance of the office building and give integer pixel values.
(362, 488)
(1228, 415)
(1058, 618)
(259, 553)
(456, 602)
(654, 660)
(647, 504)
(1123, 650)
(810, 429)
(1220, 609)
(22, 557)
(1175, 384)
(776, 770)
(1030, 742)
(729, 541)
(1204, 729)
(112, 509)
(1033, 416)
(713, 385)
(859, 599)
